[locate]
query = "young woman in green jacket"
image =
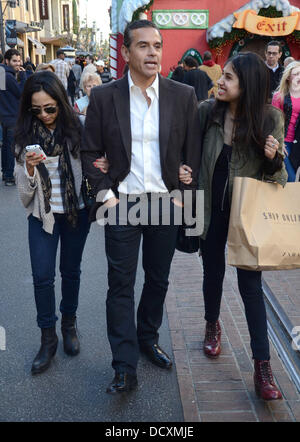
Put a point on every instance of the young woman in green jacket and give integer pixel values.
(242, 136)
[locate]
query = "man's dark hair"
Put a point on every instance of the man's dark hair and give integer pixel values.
(138, 24)
(10, 53)
(91, 57)
(191, 62)
(274, 43)
(207, 56)
(59, 52)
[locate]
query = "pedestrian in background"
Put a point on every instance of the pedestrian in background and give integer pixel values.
(29, 63)
(45, 67)
(29, 71)
(90, 68)
(213, 70)
(50, 190)
(103, 71)
(242, 136)
(196, 78)
(273, 54)
(287, 61)
(88, 82)
(62, 68)
(71, 83)
(77, 72)
(287, 98)
(178, 73)
(9, 105)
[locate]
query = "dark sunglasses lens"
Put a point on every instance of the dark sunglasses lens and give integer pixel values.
(50, 110)
(35, 111)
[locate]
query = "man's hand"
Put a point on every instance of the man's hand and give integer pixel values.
(185, 174)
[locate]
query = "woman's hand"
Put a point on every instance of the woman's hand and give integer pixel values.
(102, 164)
(32, 159)
(185, 174)
(271, 147)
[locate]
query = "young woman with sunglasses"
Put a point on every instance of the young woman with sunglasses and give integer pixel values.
(50, 190)
(242, 136)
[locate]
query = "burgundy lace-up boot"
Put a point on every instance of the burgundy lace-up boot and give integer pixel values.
(212, 340)
(265, 386)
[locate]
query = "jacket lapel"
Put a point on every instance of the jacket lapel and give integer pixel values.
(165, 116)
(122, 107)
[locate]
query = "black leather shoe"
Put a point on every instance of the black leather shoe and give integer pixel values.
(157, 356)
(47, 351)
(68, 330)
(122, 383)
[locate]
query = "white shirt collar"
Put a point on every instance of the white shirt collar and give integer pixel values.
(154, 86)
(273, 69)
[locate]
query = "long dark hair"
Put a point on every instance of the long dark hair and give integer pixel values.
(252, 119)
(67, 124)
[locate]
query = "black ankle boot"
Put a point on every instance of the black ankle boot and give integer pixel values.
(71, 341)
(48, 349)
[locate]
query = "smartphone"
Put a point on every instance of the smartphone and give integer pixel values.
(36, 148)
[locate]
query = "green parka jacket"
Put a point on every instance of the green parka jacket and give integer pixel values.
(253, 166)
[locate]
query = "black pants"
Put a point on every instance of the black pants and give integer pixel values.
(249, 283)
(122, 243)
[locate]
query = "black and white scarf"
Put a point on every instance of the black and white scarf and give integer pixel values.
(53, 146)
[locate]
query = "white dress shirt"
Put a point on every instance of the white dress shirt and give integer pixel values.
(145, 169)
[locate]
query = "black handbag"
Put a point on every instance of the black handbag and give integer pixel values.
(89, 198)
(187, 244)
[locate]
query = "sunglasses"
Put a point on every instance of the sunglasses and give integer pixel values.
(48, 110)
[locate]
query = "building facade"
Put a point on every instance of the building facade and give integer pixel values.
(42, 26)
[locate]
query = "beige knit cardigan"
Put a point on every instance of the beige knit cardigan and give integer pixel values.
(31, 194)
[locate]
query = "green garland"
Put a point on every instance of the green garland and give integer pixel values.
(238, 34)
(139, 11)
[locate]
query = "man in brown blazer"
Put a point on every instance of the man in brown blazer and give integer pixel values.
(146, 126)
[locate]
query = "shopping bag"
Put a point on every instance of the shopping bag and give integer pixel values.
(264, 226)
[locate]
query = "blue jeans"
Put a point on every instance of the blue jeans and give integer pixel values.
(43, 249)
(7, 155)
(289, 168)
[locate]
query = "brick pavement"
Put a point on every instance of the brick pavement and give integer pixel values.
(285, 286)
(222, 389)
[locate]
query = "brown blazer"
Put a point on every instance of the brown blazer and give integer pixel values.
(108, 132)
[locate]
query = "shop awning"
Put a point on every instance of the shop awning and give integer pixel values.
(59, 40)
(40, 49)
(22, 27)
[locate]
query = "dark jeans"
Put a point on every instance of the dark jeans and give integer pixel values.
(43, 249)
(249, 283)
(122, 244)
(7, 155)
